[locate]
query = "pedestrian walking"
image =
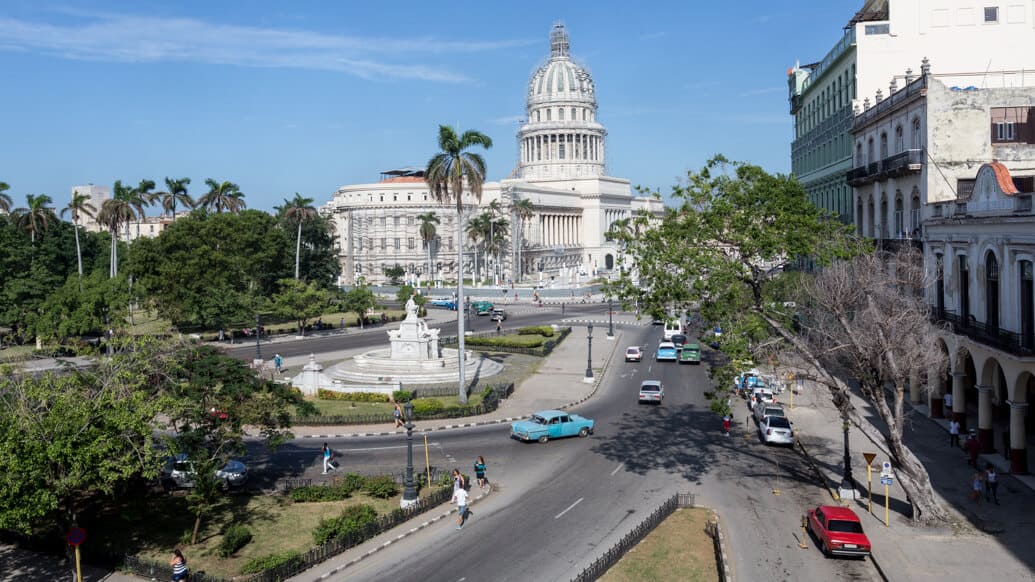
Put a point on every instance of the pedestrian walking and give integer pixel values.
(726, 423)
(973, 447)
(954, 433)
(458, 483)
(460, 497)
(499, 326)
(977, 486)
(328, 463)
(947, 403)
(991, 484)
(278, 363)
(341, 324)
(397, 414)
(222, 335)
(179, 566)
(479, 472)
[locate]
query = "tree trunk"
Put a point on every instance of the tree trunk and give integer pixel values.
(460, 306)
(197, 527)
(298, 248)
(78, 256)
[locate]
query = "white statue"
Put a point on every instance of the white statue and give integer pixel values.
(411, 308)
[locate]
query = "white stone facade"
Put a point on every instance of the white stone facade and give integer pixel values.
(561, 170)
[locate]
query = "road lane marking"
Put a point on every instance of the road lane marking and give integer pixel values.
(618, 468)
(570, 507)
(382, 448)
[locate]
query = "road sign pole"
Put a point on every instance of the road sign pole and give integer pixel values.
(78, 567)
(887, 522)
(869, 488)
(427, 459)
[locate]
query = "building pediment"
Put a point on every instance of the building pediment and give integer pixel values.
(993, 183)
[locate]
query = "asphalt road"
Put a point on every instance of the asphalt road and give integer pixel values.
(558, 506)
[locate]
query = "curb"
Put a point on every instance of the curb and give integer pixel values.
(400, 537)
(724, 560)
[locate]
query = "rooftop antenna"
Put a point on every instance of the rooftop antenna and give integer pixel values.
(559, 43)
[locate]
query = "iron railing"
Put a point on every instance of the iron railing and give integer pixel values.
(610, 557)
(996, 337)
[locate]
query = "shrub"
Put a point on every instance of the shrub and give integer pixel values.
(234, 538)
(401, 396)
(512, 341)
(263, 563)
(337, 491)
(543, 330)
(427, 406)
(382, 487)
(352, 521)
(352, 482)
(324, 394)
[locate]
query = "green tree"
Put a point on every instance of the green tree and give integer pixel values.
(37, 215)
(298, 210)
(175, 193)
(5, 198)
(359, 300)
(300, 301)
(394, 273)
(79, 206)
(523, 210)
(121, 209)
(428, 231)
(81, 307)
(407, 292)
(222, 196)
(446, 173)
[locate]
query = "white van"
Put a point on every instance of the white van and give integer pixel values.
(672, 327)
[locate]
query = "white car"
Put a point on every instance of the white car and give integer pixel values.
(633, 354)
(768, 410)
(776, 430)
(651, 391)
(760, 395)
(178, 473)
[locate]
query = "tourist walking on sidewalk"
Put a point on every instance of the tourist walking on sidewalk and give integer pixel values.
(978, 486)
(954, 433)
(397, 414)
(458, 482)
(973, 448)
(479, 472)
(179, 566)
(278, 362)
(991, 484)
(947, 405)
(327, 456)
(726, 422)
(460, 496)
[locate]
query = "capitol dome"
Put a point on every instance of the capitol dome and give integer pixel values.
(561, 138)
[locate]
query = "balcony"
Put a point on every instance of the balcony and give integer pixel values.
(995, 337)
(901, 164)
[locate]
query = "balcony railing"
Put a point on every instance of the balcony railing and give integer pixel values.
(900, 164)
(1004, 340)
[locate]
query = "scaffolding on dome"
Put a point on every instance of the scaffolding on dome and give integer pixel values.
(387, 175)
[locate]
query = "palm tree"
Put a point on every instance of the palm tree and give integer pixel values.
(5, 199)
(79, 206)
(428, 232)
(222, 196)
(36, 216)
(121, 208)
(523, 210)
(175, 193)
(299, 210)
(445, 175)
(478, 231)
(143, 196)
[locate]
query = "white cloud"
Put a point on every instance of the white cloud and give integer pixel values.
(143, 39)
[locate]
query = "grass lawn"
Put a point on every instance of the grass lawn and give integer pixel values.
(350, 409)
(277, 524)
(678, 550)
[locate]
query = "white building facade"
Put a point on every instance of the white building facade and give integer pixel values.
(560, 170)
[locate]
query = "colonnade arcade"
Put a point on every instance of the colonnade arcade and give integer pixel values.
(562, 146)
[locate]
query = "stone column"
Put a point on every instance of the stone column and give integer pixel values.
(914, 387)
(1018, 442)
(984, 418)
(959, 403)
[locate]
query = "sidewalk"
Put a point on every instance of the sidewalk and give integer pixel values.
(984, 541)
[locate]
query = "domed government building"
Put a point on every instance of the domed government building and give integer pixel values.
(558, 236)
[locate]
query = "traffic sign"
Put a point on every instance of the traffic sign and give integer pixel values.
(885, 469)
(869, 458)
(887, 480)
(76, 536)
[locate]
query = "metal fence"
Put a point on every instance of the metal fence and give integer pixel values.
(602, 564)
(160, 571)
(488, 404)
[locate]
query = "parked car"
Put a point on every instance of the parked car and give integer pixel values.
(776, 430)
(482, 307)
(672, 327)
(498, 314)
(551, 424)
(765, 410)
(760, 395)
(446, 303)
(651, 391)
(666, 352)
(838, 531)
(179, 473)
(691, 354)
(633, 354)
(678, 340)
(746, 380)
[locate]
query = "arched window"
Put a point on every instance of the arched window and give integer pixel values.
(992, 292)
(917, 140)
(538, 117)
(914, 213)
(859, 161)
(869, 152)
(900, 145)
(964, 279)
(939, 292)
(900, 229)
(883, 145)
(560, 114)
(573, 114)
(548, 115)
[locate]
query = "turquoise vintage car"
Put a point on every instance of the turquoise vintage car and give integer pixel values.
(551, 424)
(666, 352)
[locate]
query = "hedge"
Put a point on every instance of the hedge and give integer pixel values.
(263, 563)
(510, 341)
(544, 330)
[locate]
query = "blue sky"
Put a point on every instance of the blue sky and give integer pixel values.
(305, 96)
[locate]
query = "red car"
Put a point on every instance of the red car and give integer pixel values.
(838, 531)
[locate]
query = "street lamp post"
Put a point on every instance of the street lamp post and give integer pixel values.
(610, 319)
(847, 483)
(258, 346)
(589, 354)
(409, 489)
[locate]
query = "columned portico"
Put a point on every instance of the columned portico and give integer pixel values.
(959, 402)
(1018, 440)
(985, 418)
